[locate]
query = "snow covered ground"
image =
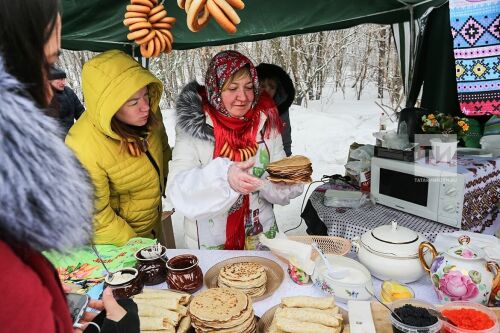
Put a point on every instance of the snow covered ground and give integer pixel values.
(323, 132)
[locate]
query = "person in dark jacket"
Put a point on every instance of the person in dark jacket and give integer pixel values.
(65, 100)
(45, 194)
(277, 83)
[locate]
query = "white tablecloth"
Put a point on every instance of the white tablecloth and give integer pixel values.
(208, 258)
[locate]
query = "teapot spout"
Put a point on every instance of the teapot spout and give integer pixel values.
(421, 254)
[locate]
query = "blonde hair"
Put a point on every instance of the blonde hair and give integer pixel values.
(241, 73)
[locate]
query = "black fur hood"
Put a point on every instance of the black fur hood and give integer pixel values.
(190, 116)
(45, 195)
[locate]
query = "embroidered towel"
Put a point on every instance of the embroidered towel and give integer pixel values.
(475, 27)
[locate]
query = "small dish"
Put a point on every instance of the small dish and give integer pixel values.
(393, 290)
(124, 288)
(352, 287)
(449, 328)
(274, 272)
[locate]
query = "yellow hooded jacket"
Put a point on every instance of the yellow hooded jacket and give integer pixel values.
(127, 189)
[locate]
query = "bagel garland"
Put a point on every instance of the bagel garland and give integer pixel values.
(223, 11)
(149, 26)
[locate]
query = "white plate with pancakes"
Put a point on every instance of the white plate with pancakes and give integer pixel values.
(258, 277)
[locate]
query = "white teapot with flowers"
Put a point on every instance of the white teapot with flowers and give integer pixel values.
(461, 273)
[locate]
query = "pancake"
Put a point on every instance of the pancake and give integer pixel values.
(308, 302)
(291, 170)
(242, 271)
(249, 277)
(252, 292)
(308, 315)
(255, 283)
(219, 305)
(292, 161)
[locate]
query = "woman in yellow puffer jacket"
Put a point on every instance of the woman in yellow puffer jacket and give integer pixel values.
(121, 141)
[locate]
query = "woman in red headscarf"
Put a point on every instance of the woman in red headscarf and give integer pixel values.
(226, 133)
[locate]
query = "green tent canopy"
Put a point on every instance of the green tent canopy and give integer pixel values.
(427, 61)
(96, 25)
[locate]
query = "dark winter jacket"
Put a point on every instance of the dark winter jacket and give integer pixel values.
(69, 108)
(285, 94)
(46, 203)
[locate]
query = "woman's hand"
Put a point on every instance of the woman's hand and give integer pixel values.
(114, 311)
(239, 178)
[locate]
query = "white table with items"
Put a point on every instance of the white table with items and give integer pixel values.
(208, 258)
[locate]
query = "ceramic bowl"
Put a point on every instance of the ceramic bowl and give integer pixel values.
(351, 287)
(125, 289)
(449, 328)
(152, 270)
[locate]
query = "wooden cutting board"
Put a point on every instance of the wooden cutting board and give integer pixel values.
(383, 323)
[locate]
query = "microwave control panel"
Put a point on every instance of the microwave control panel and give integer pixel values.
(451, 200)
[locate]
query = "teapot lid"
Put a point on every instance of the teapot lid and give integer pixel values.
(464, 250)
(394, 234)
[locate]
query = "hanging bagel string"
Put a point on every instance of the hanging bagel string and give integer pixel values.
(223, 11)
(149, 27)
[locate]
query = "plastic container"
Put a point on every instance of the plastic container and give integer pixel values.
(393, 290)
(399, 327)
(448, 328)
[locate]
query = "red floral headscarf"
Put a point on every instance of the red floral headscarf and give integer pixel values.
(221, 67)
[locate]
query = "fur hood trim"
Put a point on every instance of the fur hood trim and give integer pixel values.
(45, 194)
(190, 116)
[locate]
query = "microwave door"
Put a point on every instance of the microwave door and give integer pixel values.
(414, 193)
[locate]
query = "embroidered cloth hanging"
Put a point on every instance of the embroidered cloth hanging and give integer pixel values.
(475, 27)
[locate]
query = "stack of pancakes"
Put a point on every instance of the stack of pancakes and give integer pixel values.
(222, 310)
(292, 170)
(249, 277)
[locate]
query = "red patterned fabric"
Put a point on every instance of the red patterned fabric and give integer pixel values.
(237, 132)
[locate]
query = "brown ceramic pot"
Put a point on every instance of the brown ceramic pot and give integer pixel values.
(126, 289)
(184, 273)
(152, 271)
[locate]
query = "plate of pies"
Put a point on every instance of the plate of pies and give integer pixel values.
(290, 170)
(305, 314)
(257, 277)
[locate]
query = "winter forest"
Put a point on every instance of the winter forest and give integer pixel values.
(349, 59)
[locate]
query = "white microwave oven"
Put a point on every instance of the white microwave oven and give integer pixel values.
(419, 189)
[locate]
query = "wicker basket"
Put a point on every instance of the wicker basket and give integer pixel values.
(329, 244)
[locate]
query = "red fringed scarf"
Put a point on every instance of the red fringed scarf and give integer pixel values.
(239, 134)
